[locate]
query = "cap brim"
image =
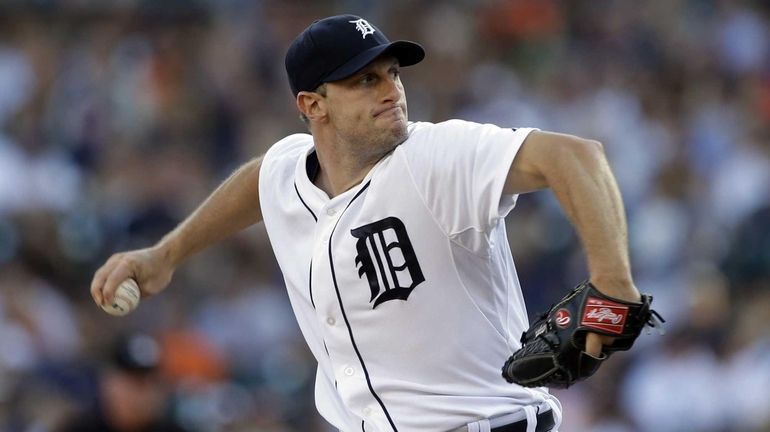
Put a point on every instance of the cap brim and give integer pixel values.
(408, 54)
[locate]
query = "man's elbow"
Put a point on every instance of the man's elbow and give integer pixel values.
(589, 146)
(556, 157)
(585, 151)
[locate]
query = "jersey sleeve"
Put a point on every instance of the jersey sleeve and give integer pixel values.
(460, 168)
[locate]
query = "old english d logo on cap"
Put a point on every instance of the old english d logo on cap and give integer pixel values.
(363, 26)
(336, 47)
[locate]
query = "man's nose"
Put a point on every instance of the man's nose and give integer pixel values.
(391, 91)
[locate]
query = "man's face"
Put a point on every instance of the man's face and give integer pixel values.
(368, 109)
(132, 401)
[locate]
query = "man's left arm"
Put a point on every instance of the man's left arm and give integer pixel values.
(577, 171)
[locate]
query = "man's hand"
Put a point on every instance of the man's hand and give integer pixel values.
(621, 290)
(595, 342)
(148, 267)
(556, 351)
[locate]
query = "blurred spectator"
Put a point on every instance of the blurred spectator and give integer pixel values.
(37, 323)
(132, 394)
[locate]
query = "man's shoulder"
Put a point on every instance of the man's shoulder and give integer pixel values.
(290, 147)
(458, 131)
(453, 131)
(446, 125)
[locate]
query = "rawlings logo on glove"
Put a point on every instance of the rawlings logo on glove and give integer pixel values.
(604, 315)
(553, 349)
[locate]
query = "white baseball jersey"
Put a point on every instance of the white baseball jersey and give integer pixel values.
(404, 286)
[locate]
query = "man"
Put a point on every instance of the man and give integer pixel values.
(132, 393)
(392, 242)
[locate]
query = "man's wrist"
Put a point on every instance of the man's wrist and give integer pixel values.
(167, 252)
(618, 286)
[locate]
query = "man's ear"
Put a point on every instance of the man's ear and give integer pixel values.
(312, 105)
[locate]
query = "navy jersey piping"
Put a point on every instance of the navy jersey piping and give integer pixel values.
(304, 203)
(310, 276)
(345, 317)
(310, 284)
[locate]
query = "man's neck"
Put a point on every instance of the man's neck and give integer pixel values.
(339, 171)
(344, 164)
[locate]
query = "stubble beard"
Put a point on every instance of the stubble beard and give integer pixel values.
(371, 146)
(388, 140)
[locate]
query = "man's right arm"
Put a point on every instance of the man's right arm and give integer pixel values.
(233, 206)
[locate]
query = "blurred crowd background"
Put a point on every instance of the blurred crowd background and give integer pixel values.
(117, 117)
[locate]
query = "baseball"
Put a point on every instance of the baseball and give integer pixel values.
(126, 298)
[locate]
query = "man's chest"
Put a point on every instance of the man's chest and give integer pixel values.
(374, 248)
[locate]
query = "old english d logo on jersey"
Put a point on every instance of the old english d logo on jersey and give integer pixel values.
(386, 255)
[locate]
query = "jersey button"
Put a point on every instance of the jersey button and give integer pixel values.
(331, 211)
(349, 371)
(331, 321)
(367, 411)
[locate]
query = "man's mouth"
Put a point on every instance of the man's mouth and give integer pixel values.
(386, 110)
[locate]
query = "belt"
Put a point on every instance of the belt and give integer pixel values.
(545, 423)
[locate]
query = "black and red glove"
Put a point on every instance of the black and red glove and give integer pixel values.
(553, 349)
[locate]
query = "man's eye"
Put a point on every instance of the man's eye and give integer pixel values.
(368, 78)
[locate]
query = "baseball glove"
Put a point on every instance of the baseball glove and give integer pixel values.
(553, 348)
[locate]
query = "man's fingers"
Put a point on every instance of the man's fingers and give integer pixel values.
(96, 286)
(120, 273)
(108, 277)
(594, 343)
(100, 277)
(138, 265)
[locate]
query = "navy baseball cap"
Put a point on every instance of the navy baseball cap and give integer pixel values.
(339, 46)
